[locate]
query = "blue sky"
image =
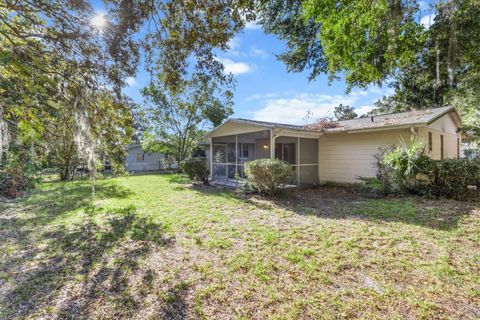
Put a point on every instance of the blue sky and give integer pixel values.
(266, 91)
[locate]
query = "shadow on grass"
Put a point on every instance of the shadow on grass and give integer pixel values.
(60, 269)
(154, 173)
(60, 198)
(175, 306)
(345, 203)
(178, 179)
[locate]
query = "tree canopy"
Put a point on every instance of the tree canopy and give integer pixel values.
(343, 112)
(447, 69)
(54, 64)
(176, 121)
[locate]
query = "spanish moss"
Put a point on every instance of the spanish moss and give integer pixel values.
(4, 134)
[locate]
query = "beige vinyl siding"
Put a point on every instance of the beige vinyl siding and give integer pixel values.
(444, 126)
(346, 156)
(308, 156)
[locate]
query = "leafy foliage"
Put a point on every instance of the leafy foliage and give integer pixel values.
(406, 169)
(372, 42)
(178, 31)
(374, 185)
(450, 178)
(176, 120)
(405, 162)
(196, 169)
(447, 66)
(55, 68)
(397, 168)
(366, 40)
(16, 176)
(342, 112)
(268, 176)
(63, 31)
(285, 19)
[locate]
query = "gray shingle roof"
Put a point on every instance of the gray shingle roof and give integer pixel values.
(409, 118)
(414, 117)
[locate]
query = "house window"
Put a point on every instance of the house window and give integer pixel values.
(441, 147)
(244, 151)
(140, 157)
(430, 142)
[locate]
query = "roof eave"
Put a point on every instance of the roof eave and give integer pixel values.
(458, 120)
(404, 126)
(210, 133)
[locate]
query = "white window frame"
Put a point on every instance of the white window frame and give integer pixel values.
(242, 146)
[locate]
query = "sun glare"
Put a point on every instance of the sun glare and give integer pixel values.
(99, 21)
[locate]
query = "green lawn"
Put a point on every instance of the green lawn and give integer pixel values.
(150, 247)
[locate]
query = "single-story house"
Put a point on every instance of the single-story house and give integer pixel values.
(339, 153)
(139, 160)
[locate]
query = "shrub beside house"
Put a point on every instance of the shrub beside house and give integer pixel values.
(407, 169)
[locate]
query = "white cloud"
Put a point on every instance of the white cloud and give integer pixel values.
(252, 25)
(234, 43)
(256, 52)
(376, 90)
(294, 109)
(266, 96)
(427, 20)
(363, 110)
(236, 67)
(130, 81)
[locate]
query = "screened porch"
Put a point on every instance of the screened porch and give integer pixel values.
(231, 152)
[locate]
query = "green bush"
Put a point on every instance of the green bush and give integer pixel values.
(268, 176)
(16, 176)
(449, 178)
(374, 185)
(402, 164)
(406, 169)
(196, 169)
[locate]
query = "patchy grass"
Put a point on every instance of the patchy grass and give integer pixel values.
(155, 247)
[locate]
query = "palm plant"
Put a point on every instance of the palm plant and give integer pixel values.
(404, 160)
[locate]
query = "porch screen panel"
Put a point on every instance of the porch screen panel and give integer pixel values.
(219, 161)
(286, 152)
(308, 161)
(231, 152)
